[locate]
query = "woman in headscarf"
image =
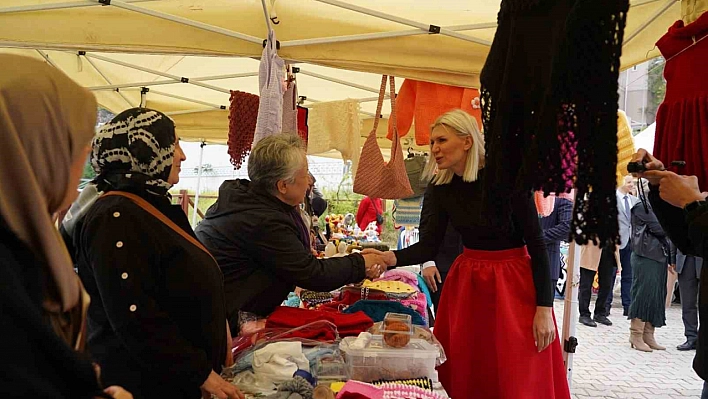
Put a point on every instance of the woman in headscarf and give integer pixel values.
(46, 125)
(157, 324)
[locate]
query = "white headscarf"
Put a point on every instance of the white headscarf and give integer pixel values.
(46, 121)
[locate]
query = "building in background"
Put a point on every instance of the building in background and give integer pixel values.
(641, 91)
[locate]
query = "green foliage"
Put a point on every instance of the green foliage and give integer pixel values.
(657, 86)
(88, 171)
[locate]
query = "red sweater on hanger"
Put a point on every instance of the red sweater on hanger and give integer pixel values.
(682, 119)
(426, 102)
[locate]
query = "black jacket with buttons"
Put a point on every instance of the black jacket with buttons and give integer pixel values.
(157, 322)
(259, 249)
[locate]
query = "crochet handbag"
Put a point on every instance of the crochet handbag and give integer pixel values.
(374, 177)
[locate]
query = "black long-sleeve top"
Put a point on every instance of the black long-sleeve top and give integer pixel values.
(460, 203)
(157, 319)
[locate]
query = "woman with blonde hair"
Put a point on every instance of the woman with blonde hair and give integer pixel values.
(495, 319)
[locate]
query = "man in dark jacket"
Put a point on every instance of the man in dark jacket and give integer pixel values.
(556, 228)
(682, 210)
(258, 237)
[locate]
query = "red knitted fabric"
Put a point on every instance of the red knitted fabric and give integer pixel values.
(302, 129)
(682, 119)
(243, 114)
(347, 324)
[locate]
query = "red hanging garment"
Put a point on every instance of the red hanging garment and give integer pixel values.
(243, 114)
(302, 129)
(682, 119)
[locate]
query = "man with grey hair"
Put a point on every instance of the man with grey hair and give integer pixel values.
(257, 235)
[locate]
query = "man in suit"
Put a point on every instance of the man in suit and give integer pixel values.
(689, 271)
(625, 201)
(556, 228)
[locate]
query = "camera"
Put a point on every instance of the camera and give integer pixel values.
(636, 167)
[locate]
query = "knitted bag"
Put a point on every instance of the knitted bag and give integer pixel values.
(374, 177)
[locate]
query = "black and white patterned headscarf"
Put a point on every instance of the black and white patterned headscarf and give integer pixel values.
(137, 147)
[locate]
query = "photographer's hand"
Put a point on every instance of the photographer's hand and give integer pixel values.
(650, 163)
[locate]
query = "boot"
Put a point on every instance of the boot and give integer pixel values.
(648, 337)
(636, 331)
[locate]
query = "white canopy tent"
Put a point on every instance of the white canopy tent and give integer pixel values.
(645, 138)
(189, 53)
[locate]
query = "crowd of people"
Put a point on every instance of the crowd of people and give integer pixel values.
(155, 304)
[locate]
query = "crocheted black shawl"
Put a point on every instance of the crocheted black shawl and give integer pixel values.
(549, 107)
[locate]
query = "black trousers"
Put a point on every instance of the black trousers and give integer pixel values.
(689, 286)
(606, 277)
(435, 297)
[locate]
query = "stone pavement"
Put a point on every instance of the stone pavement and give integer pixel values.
(604, 366)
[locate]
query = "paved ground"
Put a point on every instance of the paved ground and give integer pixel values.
(606, 367)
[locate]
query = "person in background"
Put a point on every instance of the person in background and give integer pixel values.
(370, 210)
(257, 234)
(46, 125)
(625, 202)
(652, 253)
(157, 323)
(435, 273)
(689, 268)
(319, 207)
(496, 313)
(556, 228)
(602, 262)
(682, 210)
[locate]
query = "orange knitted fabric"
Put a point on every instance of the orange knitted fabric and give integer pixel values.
(426, 102)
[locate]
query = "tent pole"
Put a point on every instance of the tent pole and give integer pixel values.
(393, 18)
(171, 81)
(341, 82)
(381, 35)
(185, 21)
(159, 73)
(570, 310)
(58, 6)
(657, 14)
(108, 81)
(143, 97)
(199, 181)
(49, 60)
(267, 16)
(189, 111)
(161, 93)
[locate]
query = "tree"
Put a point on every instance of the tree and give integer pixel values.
(656, 87)
(89, 173)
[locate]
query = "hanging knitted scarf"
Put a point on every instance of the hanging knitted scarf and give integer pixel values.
(549, 107)
(136, 148)
(243, 114)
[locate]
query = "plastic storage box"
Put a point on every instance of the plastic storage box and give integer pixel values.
(397, 330)
(379, 362)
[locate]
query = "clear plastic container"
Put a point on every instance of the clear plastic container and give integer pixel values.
(379, 362)
(331, 368)
(397, 330)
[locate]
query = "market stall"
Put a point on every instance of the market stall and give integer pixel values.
(374, 332)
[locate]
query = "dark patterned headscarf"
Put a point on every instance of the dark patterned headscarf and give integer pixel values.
(136, 147)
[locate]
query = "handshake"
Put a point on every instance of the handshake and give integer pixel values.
(377, 262)
(675, 189)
